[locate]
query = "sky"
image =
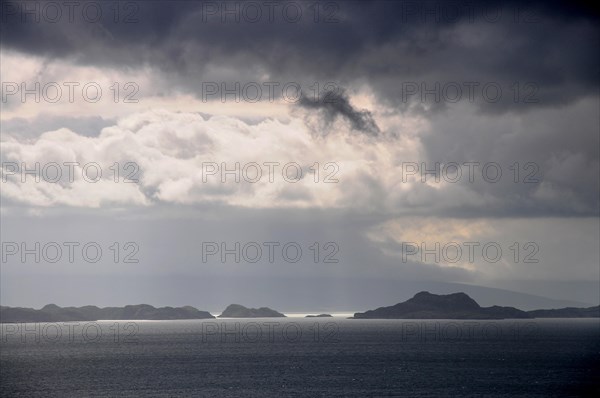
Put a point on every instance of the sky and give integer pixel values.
(299, 155)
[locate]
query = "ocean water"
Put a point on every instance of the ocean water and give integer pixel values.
(295, 357)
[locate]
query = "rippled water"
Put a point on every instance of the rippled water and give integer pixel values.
(302, 357)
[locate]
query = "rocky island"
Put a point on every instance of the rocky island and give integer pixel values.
(54, 313)
(425, 305)
(319, 316)
(239, 311)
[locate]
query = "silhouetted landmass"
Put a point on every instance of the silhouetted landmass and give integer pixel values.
(425, 305)
(239, 311)
(569, 312)
(54, 313)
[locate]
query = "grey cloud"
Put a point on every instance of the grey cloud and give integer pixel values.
(378, 42)
(333, 105)
(564, 155)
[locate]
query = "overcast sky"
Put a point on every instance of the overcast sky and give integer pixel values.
(332, 110)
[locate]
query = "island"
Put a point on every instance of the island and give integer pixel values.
(239, 311)
(54, 313)
(319, 316)
(425, 305)
(569, 312)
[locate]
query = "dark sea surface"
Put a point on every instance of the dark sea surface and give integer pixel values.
(297, 357)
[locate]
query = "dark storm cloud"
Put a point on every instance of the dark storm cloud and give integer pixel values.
(563, 158)
(336, 105)
(389, 45)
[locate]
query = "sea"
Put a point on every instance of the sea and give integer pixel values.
(302, 357)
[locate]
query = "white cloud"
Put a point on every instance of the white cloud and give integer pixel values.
(176, 151)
